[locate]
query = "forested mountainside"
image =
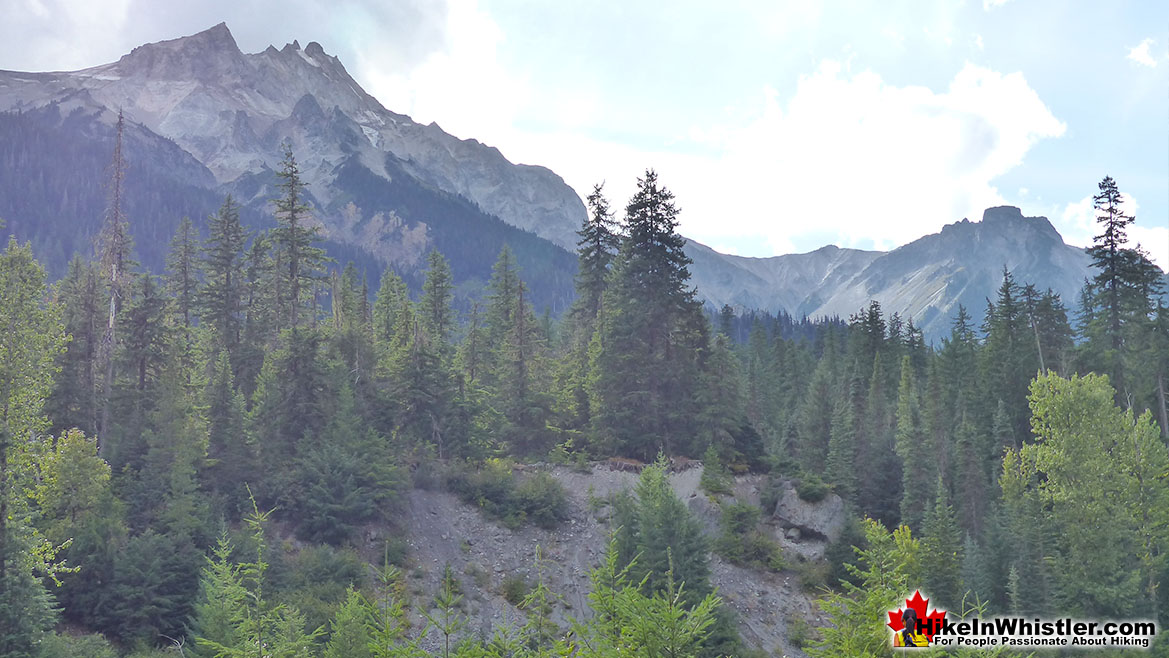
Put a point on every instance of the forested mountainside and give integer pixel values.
(204, 119)
(207, 462)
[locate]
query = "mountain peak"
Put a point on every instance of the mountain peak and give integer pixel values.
(184, 56)
(1001, 213)
(1010, 216)
(216, 37)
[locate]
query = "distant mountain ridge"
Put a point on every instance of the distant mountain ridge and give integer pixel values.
(206, 119)
(924, 280)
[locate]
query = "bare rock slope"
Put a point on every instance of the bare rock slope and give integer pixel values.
(441, 530)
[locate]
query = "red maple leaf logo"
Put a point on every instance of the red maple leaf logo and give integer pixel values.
(931, 621)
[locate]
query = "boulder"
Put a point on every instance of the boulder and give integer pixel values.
(822, 520)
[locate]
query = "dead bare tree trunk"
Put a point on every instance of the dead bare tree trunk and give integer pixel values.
(113, 252)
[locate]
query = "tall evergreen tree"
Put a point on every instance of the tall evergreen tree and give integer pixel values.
(434, 309)
(941, 556)
(651, 334)
(294, 240)
(74, 400)
(114, 255)
(183, 271)
(230, 453)
(599, 240)
(914, 449)
(223, 295)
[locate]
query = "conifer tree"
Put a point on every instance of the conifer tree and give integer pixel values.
(880, 492)
(74, 400)
(941, 556)
(914, 451)
(841, 466)
(183, 271)
(114, 255)
(300, 261)
(815, 415)
(664, 536)
(651, 335)
(230, 454)
(434, 309)
(599, 240)
(720, 399)
(225, 291)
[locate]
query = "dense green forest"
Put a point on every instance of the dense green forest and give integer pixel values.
(161, 436)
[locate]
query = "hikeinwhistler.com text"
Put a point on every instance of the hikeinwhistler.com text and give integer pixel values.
(1021, 632)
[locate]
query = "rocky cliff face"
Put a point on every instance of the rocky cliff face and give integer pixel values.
(232, 110)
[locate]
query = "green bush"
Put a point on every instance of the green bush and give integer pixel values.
(397, 550)
(741, 541)
(82, 646)
(812, 488)
(715, 477)
(799, 632)
(772, 492)
(316, 579)
(515, 588)
(813, 575)
(539, 499)
(543, 500)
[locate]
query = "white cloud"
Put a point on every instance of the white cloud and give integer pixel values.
(851, 158)
(463, 85)
(1140, 53)
(991, 4)
(846, 158)
(1077, 223)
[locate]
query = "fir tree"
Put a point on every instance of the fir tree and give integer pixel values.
(225, 291)
(599, 240)
(434, 309)
(651, 335)
(941, 556)
(294, 239)
(914, 450)
(182, 271)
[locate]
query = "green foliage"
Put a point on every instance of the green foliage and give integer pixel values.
(811, 488)
(716, 479)
(294, 240)
(884, 571)
(314, 581)
(349, 629)
(55, 645)
(33, 336)
(235, 618)
(650, 336)
(628, 622)
(742, 542)
(222, 296)
(1100, 472)
(660, 538)
(495, 489)
(941, 551)
(514, 588)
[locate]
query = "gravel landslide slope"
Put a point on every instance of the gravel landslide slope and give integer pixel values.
(441, 530)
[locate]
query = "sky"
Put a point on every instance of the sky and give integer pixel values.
(779, 126)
